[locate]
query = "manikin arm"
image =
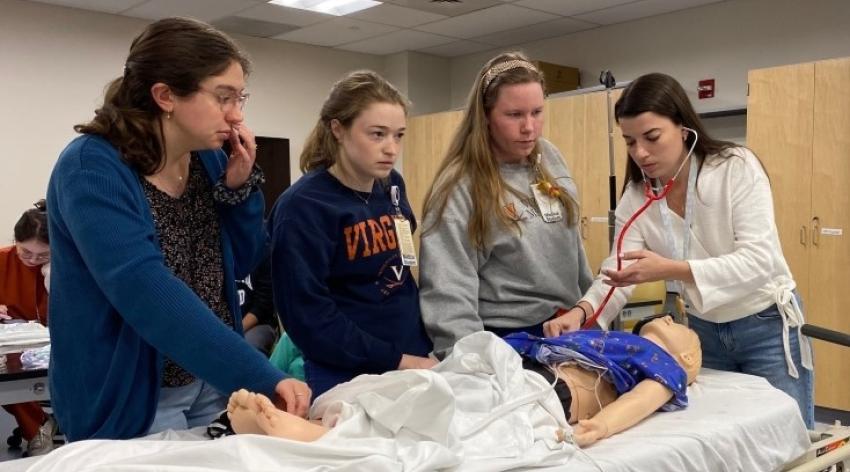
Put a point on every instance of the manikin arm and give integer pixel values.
(626, 411)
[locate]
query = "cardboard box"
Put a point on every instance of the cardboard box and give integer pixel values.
(558, 78)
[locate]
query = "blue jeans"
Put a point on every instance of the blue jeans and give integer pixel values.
(196, 404)
(753, 345)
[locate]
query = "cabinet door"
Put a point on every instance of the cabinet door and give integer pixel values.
(779, 130)
(579, 128)
(829, 297)
(426, 141)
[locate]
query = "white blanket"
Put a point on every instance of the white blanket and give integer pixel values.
(476, 411)
(479, 410)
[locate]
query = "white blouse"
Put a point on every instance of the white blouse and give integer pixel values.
(735, 255)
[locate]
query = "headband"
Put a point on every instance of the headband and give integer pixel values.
(497, 69)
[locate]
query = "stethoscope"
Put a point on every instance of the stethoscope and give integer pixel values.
(651, 196)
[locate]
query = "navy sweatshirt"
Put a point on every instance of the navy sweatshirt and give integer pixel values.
(342, 293)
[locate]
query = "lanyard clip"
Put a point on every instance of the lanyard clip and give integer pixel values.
(395, 197)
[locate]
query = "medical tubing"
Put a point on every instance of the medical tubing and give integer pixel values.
(592, 320)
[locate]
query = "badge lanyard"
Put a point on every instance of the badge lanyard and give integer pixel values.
(686, 239)
(545, 194)
(404, 234)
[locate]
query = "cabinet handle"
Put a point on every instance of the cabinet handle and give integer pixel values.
(584, 228)
(816, 231)
(803, 231)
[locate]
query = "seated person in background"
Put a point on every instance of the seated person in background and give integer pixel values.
(609, 381)
(259, 320)
(23, 296)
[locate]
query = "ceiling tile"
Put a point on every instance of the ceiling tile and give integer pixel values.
(640, 9)
(487, 21)
(395, 15)
(397, 41)
(285, 15)
(446, 8)
(527, 34)
(340, 30)
(252, 27)
(457, 48)
(206, 10)
(571, 7)
(107, 6)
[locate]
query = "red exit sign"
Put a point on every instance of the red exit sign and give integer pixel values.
(705, 89)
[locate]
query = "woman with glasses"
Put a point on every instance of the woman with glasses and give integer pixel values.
(23, 297)
(151, 224)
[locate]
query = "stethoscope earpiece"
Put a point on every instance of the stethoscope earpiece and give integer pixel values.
(648, 190)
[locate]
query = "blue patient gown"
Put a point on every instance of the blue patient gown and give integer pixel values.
(625, 359)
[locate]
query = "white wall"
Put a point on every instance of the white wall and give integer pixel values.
(428, 83)
(424, 79)
(722, 41)
(55, 62)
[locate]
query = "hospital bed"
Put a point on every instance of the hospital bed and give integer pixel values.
(734, 422)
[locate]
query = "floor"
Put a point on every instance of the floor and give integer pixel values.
(7, 424)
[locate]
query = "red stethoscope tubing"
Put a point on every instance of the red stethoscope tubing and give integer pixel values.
(650, 197)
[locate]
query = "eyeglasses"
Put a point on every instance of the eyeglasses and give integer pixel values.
(227, 101)
(27, 255)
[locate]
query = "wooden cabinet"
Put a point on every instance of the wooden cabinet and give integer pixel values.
(578, 126)
(798, 123)
(426, 142)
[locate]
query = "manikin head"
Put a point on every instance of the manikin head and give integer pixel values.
(678, 340)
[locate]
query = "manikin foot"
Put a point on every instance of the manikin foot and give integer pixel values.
(254, 413)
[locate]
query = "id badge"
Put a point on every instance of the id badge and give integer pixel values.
(550, 208)
(405, 241)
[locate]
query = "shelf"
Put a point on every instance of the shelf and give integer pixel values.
(722, 113)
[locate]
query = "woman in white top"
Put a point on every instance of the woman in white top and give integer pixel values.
(733, 281)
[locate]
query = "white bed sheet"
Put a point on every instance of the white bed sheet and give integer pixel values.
(735, 422)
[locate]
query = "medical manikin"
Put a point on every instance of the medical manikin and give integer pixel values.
(628, 378)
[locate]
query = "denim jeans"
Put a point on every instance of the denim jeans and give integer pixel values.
(753, 345)
(196, 404)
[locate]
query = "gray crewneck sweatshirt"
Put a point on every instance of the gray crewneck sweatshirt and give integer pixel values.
(518, 280)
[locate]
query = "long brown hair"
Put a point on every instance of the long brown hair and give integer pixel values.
(348, 98)
(179, 52)
(663, 95)
(470, 154)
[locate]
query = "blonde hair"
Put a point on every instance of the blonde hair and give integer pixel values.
(470, 154)
(348, 98)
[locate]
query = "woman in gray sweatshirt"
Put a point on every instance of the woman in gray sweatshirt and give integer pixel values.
(500, 249)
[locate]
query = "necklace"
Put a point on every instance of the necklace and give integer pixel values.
(360, 196)
(336, 173)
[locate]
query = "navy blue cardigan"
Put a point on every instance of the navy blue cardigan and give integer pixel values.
(116, 308)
